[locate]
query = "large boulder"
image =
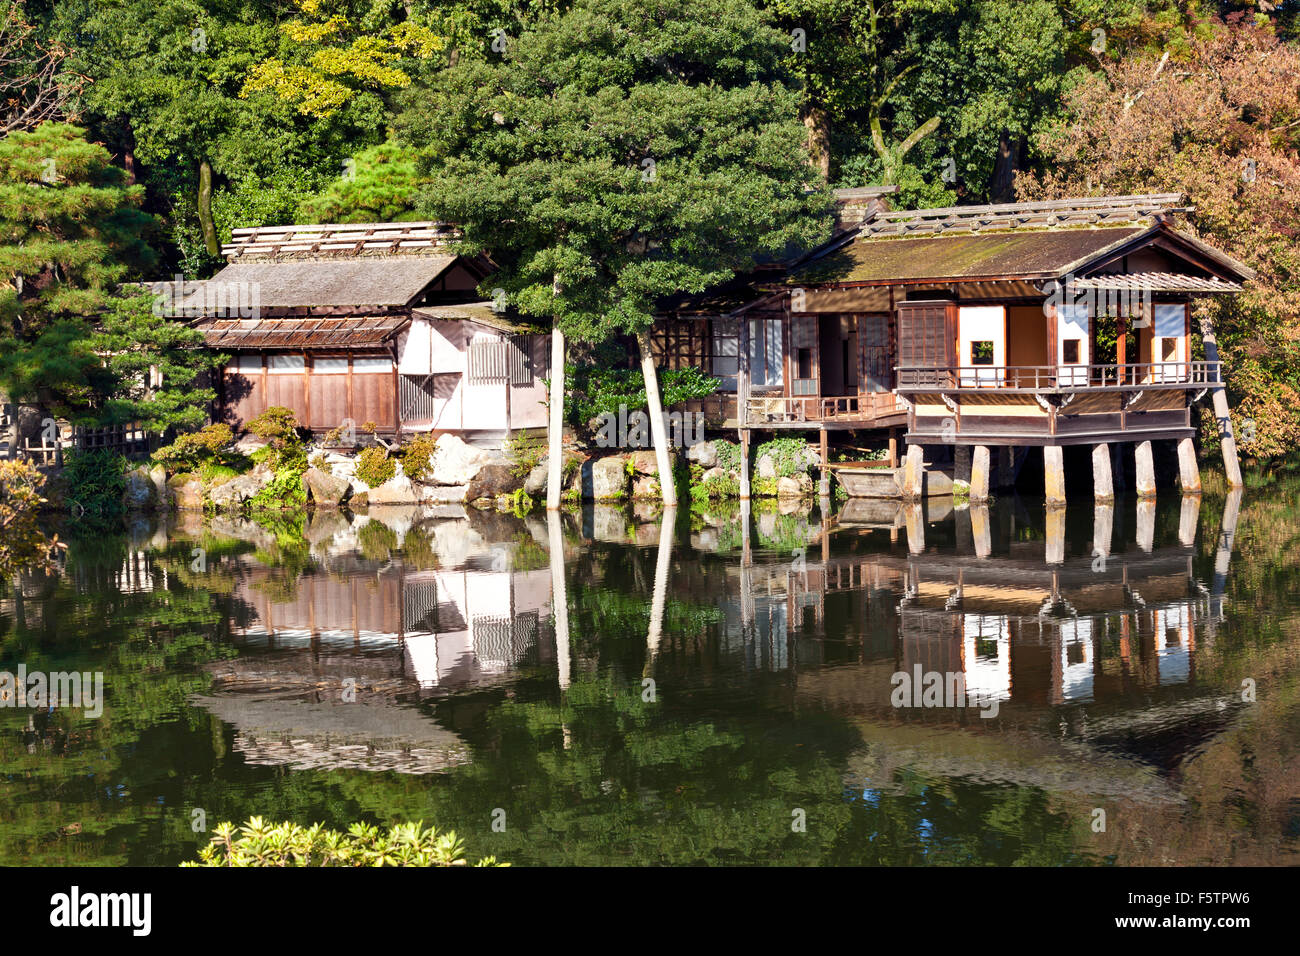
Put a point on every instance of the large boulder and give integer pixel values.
(703, 453)
(646, 486)
(455, 462)
(645, 463)
(535, 483)
(794, 486)
(766, 466)
(325, 489)
(493, 481)
(397, 490)
(187, 493)
(604, 479)
(140, 493)
(233, 493)
(714, 474)
(443, 494)
(162, 494)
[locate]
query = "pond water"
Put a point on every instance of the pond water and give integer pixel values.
(1094, 686)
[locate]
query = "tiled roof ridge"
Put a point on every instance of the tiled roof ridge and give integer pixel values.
(339, 240)
(1043, 214)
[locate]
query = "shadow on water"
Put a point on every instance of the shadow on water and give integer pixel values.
(765, 683)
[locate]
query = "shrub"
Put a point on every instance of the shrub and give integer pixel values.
(786, 453)
(193, 449)
(598, 389)
(258, 843)
(278, 427)
(284, 490)
(95, 480)
(22, 543)
(525, 453)
(374, 467)
(416, 457)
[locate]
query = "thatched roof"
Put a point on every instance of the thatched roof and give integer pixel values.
(270, 284)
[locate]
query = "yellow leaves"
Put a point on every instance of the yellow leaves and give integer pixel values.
(301, 32)
(333, 73)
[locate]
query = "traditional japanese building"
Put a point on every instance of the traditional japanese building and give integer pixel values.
(369, 324)
(1038, 324)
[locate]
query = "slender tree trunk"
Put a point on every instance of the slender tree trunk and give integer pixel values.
(818, 124)
(655, 406)
(555, 433)
(205, 209)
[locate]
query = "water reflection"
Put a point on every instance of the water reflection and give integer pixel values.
(626, 662)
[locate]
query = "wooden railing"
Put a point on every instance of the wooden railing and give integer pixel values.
(1052, 378)
(778, 409)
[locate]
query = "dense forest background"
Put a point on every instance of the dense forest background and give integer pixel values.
(218, 114)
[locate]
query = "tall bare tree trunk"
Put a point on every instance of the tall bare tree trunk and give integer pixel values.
(818, 123)
(658, 432)
(555, 433)
(205, 209)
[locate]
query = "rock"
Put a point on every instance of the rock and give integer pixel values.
(397, 490)
(808, 458)
(158, 475)
(766, 467)
(645, 486)
(535, 483)
(359, 499)
(186, 493)
(604, 479)
(140, 494)
(238, 490)
(794, 486)
(444, 494)
(327, 490)
(714, 474)
(493, 481)
(455, 462)
(704, 454)
(645, 463)
(249, 444)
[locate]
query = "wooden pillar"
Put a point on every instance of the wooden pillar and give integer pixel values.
(742, 404)
(893, 448)
(1189, 474)
(1227, 437)
(1103, 487)
(979, 474)
(1146, 470)
(824, 486)
(914, 473)
(744, 464)
(1054, 474)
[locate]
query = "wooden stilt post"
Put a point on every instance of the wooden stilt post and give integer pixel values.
(1146, 470)
(1219, 397)
(1103, 485)
(1054, 474)
(742, 405)
(914, 473)
(1189, 474)
(979, 474)
(893, 448)
(824, 486)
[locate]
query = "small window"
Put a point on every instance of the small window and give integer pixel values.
(372, 365)
(285, 363)
(1070, 352)
(330, 366)
(981, 353)
(1169, 350)
(804, 359)
(247, 363)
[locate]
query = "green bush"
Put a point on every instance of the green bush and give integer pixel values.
(285, 489)
(258, 843)
(193, 449)
(416, 457)
(786, 453)
(95, 480)
(278, 427)
(525, 453)
(374, 467)
(597, 389)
